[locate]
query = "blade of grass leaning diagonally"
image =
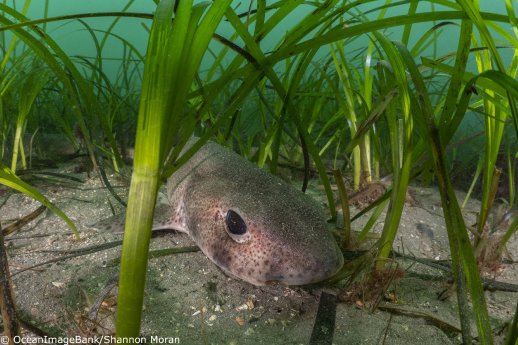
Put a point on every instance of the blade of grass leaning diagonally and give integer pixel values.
(9, 179)
(494, 126)
(401, 135)
(171, 63)
(12, 45)
(64, 69)
(338, 33)
(465, 269)
(347, 103)
(512, 335)
(283, 93)
(51, 53)
(459, 68)
(31, 87)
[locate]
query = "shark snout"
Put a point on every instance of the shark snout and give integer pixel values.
(306, 268)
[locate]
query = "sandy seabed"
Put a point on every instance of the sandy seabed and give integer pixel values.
(190, 301)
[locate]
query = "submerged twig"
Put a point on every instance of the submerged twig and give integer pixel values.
(94, 310)
(97, 248)
(487, 283)
(107, 183)
(84, 250)
(13, 238)
(23, 221)
(442, 324)
(37, 173)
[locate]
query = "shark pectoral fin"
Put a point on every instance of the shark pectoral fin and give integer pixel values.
(166, 219)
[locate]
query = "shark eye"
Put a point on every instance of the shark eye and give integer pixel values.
(235, 224)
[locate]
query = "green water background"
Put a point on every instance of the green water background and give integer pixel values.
(76, 40)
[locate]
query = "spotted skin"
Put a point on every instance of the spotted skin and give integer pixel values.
(286, 239)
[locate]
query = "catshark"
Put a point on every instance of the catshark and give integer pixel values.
(251, 224)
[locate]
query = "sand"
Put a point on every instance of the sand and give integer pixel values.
(188, 300)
